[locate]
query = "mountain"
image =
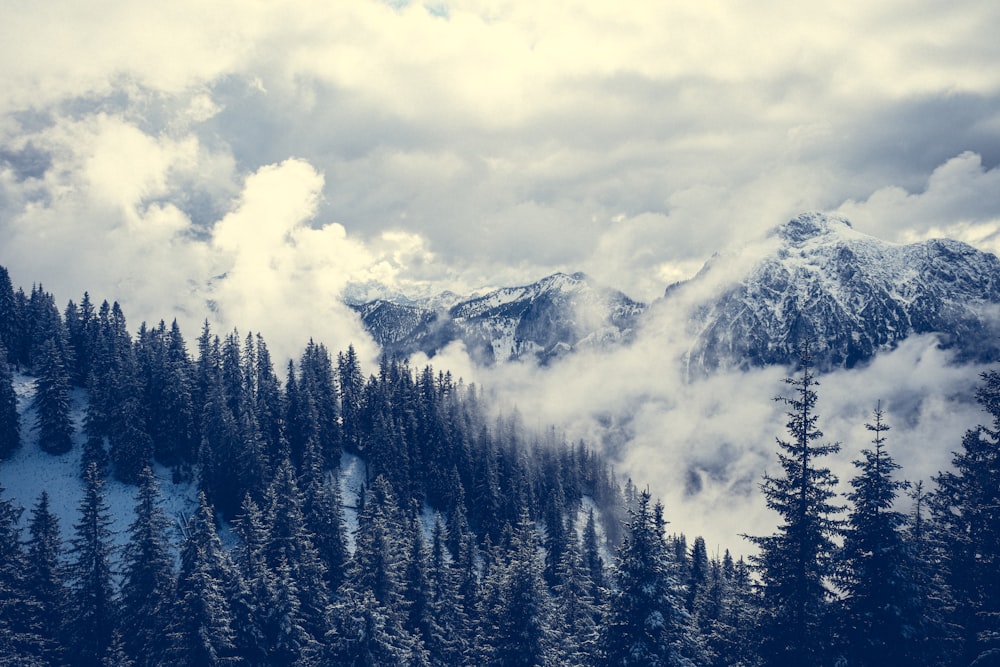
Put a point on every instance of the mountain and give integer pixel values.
(848, 293)
(814, 278)
(542, 320)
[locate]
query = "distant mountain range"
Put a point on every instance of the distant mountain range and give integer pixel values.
(539, 321)
(819, 280)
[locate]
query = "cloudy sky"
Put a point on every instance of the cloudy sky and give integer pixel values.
(250, 160)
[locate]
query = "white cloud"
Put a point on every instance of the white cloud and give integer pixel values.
(961, 200)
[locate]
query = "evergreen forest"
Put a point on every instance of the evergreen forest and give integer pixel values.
(470, 540)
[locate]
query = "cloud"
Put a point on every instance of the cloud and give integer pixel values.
(960, 199)
(703, 446)
(105, 217)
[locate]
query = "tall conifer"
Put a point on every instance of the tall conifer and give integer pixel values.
(965, 510)
(795, 563)
(93, 613)
(55, 429)
(10, 420)
(877, 570)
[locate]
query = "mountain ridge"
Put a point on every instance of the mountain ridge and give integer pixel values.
(814, 279)
(540, 320)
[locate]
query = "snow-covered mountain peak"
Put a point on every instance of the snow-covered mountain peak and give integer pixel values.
(813, 226)
(847, 293)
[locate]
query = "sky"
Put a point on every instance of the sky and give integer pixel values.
(247, 162)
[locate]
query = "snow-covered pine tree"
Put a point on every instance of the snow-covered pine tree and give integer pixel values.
(517, 624)
(202, 629)
(10, 318)
(10, 420)
(21, 639)
(592, 559)
(55, 429)
(267, 399)
(645, 622)
(324, 515)
(450, 639)
(317, 375)
(44, 576)
(42, 324)
(256, 597)
(351, 382)
(81, 330)
(576, 615)
(147, 591)
(93, 607)
(290, 541)
(935, 643)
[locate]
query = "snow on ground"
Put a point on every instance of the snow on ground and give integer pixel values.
(30, 471)
(352, 479)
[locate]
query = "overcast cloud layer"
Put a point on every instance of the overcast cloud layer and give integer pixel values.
(247, 161)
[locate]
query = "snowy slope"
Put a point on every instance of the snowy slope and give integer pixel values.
(30, 471)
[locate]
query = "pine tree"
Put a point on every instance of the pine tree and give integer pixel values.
(219, 452)
(364, 635)
(81, 324)
(376, 578)
(44, 576)
(21, 638)
(251, 619)
(318, 380)
(131, 448)
(324, 515)
(290, 541)
(10, 421)
(593, 560)
(299, 417)
(268, 400)
(42, 325)
(55, 429)
(147, 593)
(877, 568)
(10, 324)
(645, 622)
(292, 643)
(380, 548)
(93, 612)
(934, 644)
(116, 656)
(965, 511)
(469, 589)
(168, 386)
(421, 618)
(795, 563)
(352, 384)
(517, 619)
(576, 612)
(698, 573)
(449, 640)
(202, 631)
